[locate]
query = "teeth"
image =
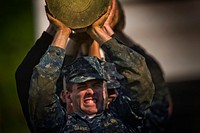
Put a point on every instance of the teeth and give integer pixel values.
(90, 101)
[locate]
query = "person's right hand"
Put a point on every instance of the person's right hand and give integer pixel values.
(57, 24)
(62, 31)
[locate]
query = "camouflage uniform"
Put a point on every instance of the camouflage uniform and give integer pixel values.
(112, 76)
(25, 70)
(48, 115)
(133, 67)
(158, 115)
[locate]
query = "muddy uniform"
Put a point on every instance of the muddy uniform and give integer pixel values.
(133, 67)
(25, 70)
(158, 115)
(48, 115)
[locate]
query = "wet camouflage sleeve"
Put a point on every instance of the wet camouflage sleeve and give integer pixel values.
(44, 106)
(158, 115)
(132, 65)
(24, 72)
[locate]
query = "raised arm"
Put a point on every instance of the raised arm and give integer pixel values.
(45, 109)
(128, 62)
(25, 70)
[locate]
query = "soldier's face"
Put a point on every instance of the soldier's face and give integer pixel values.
(87, 97)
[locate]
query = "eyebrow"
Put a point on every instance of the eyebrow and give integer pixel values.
(81, 83)
(95, 82)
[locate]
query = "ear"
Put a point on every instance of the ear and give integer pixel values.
(105, 96)
(68, 97)
(62, 96)
(69, 103)
(104, 93)
(63, 92)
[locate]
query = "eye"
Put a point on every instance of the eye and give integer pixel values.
(98, 85)
(81, 87)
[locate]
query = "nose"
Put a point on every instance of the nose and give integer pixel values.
(90, 92)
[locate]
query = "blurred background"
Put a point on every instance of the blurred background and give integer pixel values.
(169, 30)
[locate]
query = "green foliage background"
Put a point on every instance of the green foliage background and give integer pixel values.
(16, 38)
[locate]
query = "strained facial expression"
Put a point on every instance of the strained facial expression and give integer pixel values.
(87, 97)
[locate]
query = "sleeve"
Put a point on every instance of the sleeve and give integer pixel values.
(25, 69)
(158, 115)
(132, 65)
(46, 112)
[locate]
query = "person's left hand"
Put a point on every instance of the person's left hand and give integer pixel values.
(96, 30)
(99, 23)
(112, 18)
(62, 31)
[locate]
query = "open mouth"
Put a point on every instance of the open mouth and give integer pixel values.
(90, 101)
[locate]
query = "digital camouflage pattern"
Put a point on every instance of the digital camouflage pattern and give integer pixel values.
(47, 114)
(105, 122)
(124, 103)
(158, 115)
(133, 67)
(112, 76)
(84, 69)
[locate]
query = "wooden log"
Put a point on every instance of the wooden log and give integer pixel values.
(77, 14)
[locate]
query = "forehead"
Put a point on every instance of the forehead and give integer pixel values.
(88, 84)
(94, 81)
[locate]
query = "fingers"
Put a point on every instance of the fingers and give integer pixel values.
(47, 9)
(50, 18)
(48, 13)
(110, 20)
(57, 24)
(101, 20)
(53, 21)
(113, 9)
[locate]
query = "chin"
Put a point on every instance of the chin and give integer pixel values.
(91, 111)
